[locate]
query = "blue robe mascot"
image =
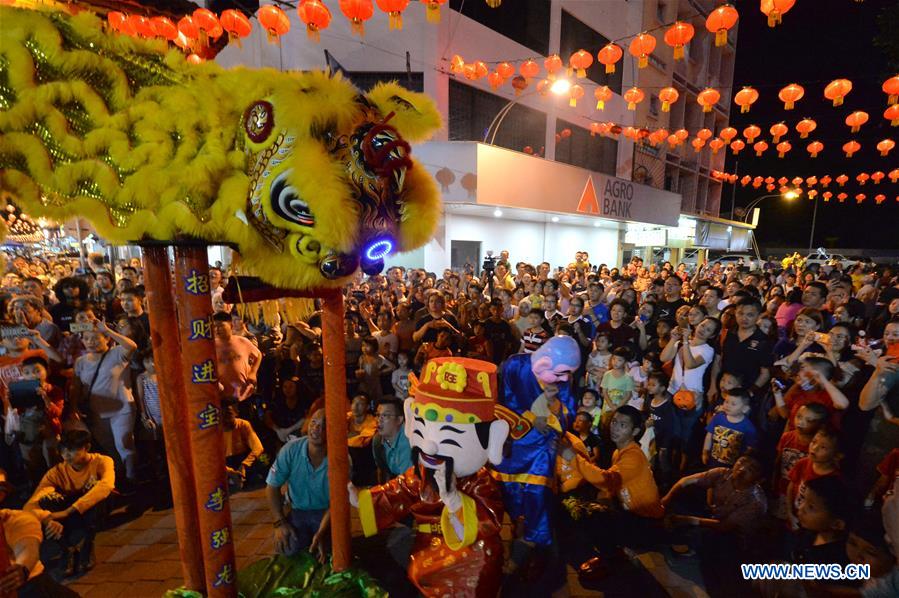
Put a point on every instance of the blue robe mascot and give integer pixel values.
(537, 388)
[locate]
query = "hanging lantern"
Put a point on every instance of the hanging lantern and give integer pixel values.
(236, 25)
(769, 179)
(457, 64)
(850, 147)
(707, 98)
(791, 94)
(782, 148)
(746, 180)
(841, 180)
(580, 61)
(164, 27)
(543, 86)
(745, 98)
(495, 80)
(812, 194)
(751, 132)
(116, 20)
(505, 70)
(519, 84)
(720, 21)
(602, 94)
(775, 10)
(433, 10)
(862, 178)
(574, 94)
(769, 188)
(893, 175)
(633, 96)
(704, 134)
(641, 47)
(273, 20)
(892, 115)
(877, 176)
(842, 197)
(737, 146)
(837, 90)
(827, 195)
(782, 181)
(891, 88)
(860, 197)
(682, 134)
(716, 144)
(609, 55)
(475, 70)
(885, 146)
(668, 95)
(394, 10)
(811, 181)
(814, 148)
(595, 129)
(138, 26)
(316, 16)
(826, 180)
(359, 11)
(727, 134)
(552, 64)
(529, 69)
(778, 130)
(856, 120)
(760, 147)
(697, 144)
(208, 25)
(188, 28)
(679, 35)
(880, 198)
(806, 126)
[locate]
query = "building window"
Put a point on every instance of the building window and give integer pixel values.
(653, 105)
(365, 80)
(580, 149)
(524, 21)
(660, 11)
(576, 35)
(471, 111)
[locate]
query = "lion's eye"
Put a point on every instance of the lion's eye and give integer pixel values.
(286, 203)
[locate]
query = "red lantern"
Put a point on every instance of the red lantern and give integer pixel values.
(595, 129)
(697, 144)
(745, 98)
(359, 11)
(782, 148)
(877, 176)
(602, 94)
(633, 96)
(552, 64)
(791, 94)
(885, 146)
(812, 194)
(737, 146)
(891, 88)
(236, 25)
(164, 27)
(641, 47)
(751, 132)
(495, 80)
(879, 198)
(797, 181)
(609, 55)
(856, 120)
(782, 181)
(841, 180)
(457, 64)
(746, 180)
(827, 195)
(842, 197)
(529, 69)
(720, 21)
(850, 147)
(769, 179)
(860, 197)
(716, 144)
(138, 26)
(806, 126)
(837, 89)
(505, 70)
(188, 28)
(519, 84)
(893, 175)
(316, 17)
(682, 134)
(760, 147)
(678, 36)
(433, 10)
(580, 61)
(727, 134)
(116, 20)
(394, 10)
(668, 95)
(475, 70)
(814, 148)
(208, 24)
(704, 134)
(811, 181)
(574, 94)
(775, 10)
(778, 130)
(862, 178)
(673, 141)
(825, 180)
(707, 98)
(273, 20)
(892, 115)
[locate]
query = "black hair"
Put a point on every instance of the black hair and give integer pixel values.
(371, 342)
(633, 414)
(221, 317)
(819, 360)
(396, 403)
(818, 410)
(624, 352)
(660, 377)
(36, 360)
(742, 394)
(75, 439)
(835, 495)
(229, 402)
(750, 302)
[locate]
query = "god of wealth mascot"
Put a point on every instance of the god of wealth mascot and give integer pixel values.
(452, 425)
(536, 387)
(308, 177)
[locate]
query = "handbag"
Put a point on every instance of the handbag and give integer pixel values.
(684, 398)
(80, 412)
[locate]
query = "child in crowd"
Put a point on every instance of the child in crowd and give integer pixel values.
(362, 427)
(640, 372)
(590, 404)
(824, 515)
(598, 361)
(793, 446)
(617, 386)
(244, 456)
(812, 385)
(476, 345)
(666, 426)
(582, 428)
(37, 426)
(730, 433)
(399, 378)
(536, 333)
(823, 460)
(439, 348)
(372, 365)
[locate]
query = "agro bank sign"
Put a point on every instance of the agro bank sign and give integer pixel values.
(516, 180)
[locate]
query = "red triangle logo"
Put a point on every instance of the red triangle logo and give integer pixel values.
(588, 203)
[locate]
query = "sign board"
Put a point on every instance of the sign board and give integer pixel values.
(653, 237)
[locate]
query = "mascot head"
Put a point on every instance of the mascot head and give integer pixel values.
(556, 359)
(451, 417)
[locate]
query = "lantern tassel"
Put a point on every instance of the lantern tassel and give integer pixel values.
(631, 106)
(313, 33)
(707, 108)
(884, 153)
(433, 13)
(678, 52)
(803, 135)
(855, 129)
(744, 109)
(720, 38)
(773, 18)
(572, 102)
(892, 99)
(494, 3)
(666, 106)
(788, 106)
(357, 26)
(838, 101)
(610, 68)
(601, 105)
(643, 62)
(396, 21)
(581, 73)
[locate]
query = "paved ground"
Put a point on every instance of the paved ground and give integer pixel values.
(139, 559)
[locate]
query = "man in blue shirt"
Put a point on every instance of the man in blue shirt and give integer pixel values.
(390, 446)
(302, 465)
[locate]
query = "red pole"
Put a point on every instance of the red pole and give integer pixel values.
(203, 419)
(167, 355)
(334, 349)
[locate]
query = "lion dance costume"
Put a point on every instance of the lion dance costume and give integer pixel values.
(308, 177)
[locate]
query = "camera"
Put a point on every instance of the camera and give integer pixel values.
(489, 264)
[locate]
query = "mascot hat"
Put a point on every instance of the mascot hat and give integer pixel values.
(457, 390)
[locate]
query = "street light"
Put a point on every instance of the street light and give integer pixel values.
(790, 194)
(559, 87)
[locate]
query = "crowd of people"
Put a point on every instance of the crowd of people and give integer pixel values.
(741, 415)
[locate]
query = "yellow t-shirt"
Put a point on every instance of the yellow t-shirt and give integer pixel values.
(96, 480)
(629, 478)
(18, 526)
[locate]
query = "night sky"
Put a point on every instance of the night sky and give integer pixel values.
(818, 41)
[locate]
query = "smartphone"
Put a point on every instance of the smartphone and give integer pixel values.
(14, 332)
(778, 384)
(822, 338)
(23, 394)
(76, 327)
